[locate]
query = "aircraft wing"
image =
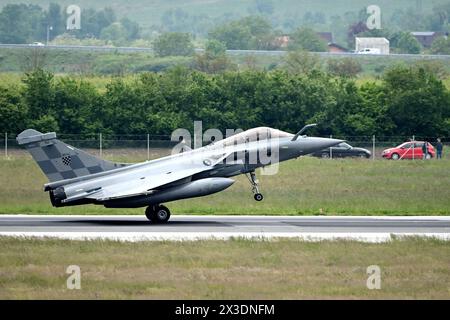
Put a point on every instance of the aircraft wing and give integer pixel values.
(129, 186)
(144, 186)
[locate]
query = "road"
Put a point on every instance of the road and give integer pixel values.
(135, 228)
(230, 52)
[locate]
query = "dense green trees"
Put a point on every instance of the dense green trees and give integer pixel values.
(300, 61)
(56, 20)
(13, 112)
(213, 59)
(264, 6)
(23, 23)
(307, 39)
(249, 33)
(173, 44)
(441, 46)
(255, 27)
(407, 100)
(346, 67)
(416, 101)
(405, 42)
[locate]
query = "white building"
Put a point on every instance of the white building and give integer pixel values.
(381, 44)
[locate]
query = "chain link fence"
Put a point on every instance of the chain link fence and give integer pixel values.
(147, 146)
(113, 147)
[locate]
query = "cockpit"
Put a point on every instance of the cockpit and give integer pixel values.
(255, 134)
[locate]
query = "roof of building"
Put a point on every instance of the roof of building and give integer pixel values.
(423, 33)
(328, 36)
(337, 46)
(372, 40)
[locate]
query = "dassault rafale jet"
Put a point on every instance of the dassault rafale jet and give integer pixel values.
(77, 177)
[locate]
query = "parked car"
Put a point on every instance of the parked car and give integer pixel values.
(409, 150)
(343, 150)
(37, 44)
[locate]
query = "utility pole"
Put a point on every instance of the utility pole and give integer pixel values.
(148, 146)
(331, 148)
(373, 147)
(100, 143)
(49, 28)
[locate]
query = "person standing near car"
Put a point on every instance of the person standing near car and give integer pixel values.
(439, 148)
(425, 150)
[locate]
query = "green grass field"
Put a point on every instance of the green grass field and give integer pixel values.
(85, 62)
(305, 186)
(236, 269)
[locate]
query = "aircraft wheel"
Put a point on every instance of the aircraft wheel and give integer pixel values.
(162, 214)
(157, 214)
(150, 213)
(258, 197)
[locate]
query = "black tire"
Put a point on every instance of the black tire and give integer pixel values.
(325, 155)
(157, 214)
(395, 156)
(162, 214)
(150, 212)
(258, 197)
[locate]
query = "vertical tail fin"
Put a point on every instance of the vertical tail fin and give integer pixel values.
(60, 161)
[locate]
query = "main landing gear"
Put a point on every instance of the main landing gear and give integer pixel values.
(157, 213)
(255, 189)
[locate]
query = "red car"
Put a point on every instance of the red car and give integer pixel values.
(409, 150)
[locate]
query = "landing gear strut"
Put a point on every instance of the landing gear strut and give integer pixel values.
(157, 213)
(255, 189)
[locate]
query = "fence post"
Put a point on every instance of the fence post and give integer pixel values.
(101, 147)
(6, 145)
(148, 146)
(331, 150)
(414, 139)
(373, 147)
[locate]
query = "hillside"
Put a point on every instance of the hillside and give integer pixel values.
(149, 12)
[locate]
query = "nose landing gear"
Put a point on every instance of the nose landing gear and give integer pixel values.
(255, 189)
(157, 213)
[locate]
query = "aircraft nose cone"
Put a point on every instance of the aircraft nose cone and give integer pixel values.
(323, 143)
(313, 144)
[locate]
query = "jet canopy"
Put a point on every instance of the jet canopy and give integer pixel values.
(255, 134)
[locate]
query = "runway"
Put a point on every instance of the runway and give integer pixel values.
(190, 227)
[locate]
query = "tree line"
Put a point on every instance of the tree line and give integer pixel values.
(407, 100)
(27, 23)
(238, 33)
(259, 30)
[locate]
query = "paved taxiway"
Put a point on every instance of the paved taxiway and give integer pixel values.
(135, 228)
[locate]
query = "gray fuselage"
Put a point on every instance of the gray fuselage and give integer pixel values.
(208, 171)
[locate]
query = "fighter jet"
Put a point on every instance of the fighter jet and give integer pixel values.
(77, 178)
